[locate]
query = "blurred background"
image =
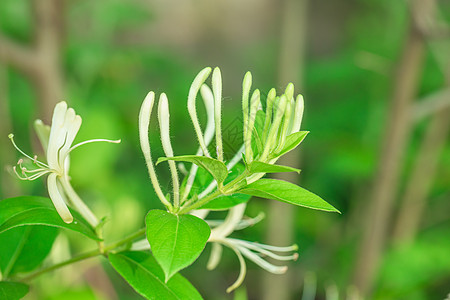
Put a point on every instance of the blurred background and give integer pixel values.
(375, 75)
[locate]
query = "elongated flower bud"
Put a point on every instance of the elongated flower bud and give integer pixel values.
(269, 105)
(193, 91)
(208, 101)
(217, 90)
(255, 103)
(298, 114)
(144, 122)
(289, 92)
(164, 120)
(273, 132)
(246, 86)
(287, 117)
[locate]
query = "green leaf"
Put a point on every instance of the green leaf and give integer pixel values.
(217, 168)
(286, 192)
(292, 141)
(22, 249)
(12, 290)
(261, 167)
(30, 210)
(176, 241)
(144, 274)
(226, 202)
(257, 134)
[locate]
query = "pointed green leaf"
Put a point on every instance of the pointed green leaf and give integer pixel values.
(226, 202)
(144, 274)
(176, 241)
(12, 290)
(261, 167)
(286, 192)
(30, 210)
(22, 249)
(292, 141)
(217, 168)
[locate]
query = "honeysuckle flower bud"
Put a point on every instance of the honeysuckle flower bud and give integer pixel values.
(164, 117)
(254, 105)
(208, 100)
(286, 122)
(298, 114)
(289, 92)
(273, 131)
(144, 122)
(246, 86)
(57, 143)
(269, 104)
(217, 90)
(193, 91)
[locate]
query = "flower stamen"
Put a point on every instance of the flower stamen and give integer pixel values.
(94, 141)
(35, 160)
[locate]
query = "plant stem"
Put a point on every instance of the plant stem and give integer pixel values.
(75, 259)
(126, 240)
(86, 255)
(201, 202)
(227, 189)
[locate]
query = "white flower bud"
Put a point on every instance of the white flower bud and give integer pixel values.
(164, 120)
(217, 90)
(193, 91)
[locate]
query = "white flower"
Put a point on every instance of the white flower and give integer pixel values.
(250, 250)
(57, 141)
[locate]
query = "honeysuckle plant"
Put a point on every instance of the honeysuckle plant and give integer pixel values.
(173, 238)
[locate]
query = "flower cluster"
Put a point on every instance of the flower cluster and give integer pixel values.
(57, 142)
(265, 134)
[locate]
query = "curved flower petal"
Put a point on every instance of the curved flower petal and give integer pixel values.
(261, 262)
(56, 139)
(57, 199)
(72, 126)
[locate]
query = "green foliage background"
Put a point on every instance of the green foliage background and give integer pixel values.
(111, 62)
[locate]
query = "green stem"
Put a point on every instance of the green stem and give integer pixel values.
(126, 240)
(227, 189)
(86, 255)
(201, 202)
(75, 259)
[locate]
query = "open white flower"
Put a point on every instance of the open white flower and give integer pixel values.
(250, 250)
(57, 141)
